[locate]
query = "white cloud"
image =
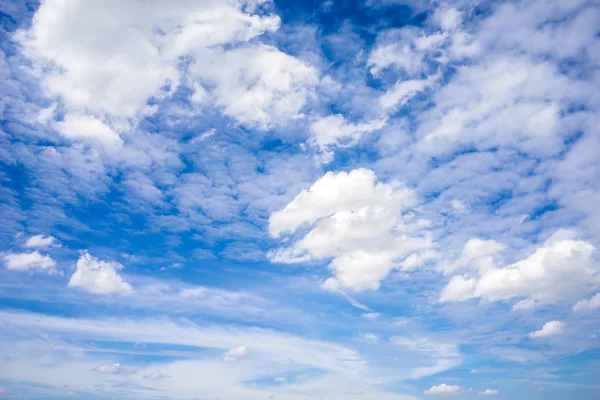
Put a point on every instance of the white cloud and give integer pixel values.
(550, 329)
(413, 52)
(477, 254)
(460, 288)
(110, 369)
(334, 130)
(525, 304)
(561, 268)
(235, 353)
(524, 100)
(365, 227)
(588, 305)
(449, 18)
(489, 392)
(40, 241)
(279, 379)
(402, 92)
(99, 277)
(444, 389)
(86, 127)
(105, 63)
(29, 261)
(259, 86)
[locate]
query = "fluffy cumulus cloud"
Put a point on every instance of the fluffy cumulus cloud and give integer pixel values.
(98, 277)
(105, 64)
(489, 392)
(365, 227)
(443, 389)
(33, 261)
(550, 329)
(563, 267)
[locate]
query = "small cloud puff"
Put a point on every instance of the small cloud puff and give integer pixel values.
(235, 353)
(111, 369)
(550, 329)
(444, 389)
(40, 242)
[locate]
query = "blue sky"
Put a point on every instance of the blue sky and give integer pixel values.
(254, 199)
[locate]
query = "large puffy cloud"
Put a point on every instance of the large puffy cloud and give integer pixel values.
(560, 269)
(365, 227)
(99, 277)
(110, 65)
(29, 261)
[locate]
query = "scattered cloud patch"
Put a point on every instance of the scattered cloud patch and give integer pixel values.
(562, 267)
(334, 131)
(33, 261)
(235, 353)
(40, 242)
(444, 390)
(588, 305)
(111, 369)
(155, 376)
(550, 329)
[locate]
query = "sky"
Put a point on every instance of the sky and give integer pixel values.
(300, 200)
